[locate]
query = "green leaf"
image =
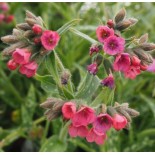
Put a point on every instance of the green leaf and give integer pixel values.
(88, 87)
(47, 83)
(146, 133)
(84, 36)
(53, 144)
(67, 26)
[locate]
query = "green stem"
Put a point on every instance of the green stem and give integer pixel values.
(63, 132)
(45, 132)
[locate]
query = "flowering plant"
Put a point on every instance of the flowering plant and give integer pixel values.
(88, 111)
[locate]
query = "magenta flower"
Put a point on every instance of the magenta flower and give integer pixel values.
(21, 56)
(92, 68)
(50, 39)
(12, 65)
(119, 122)
(80, 131)
(102, 123)
(83, 117)
(114, 45)
(92, 136)
(29, 69)
(132, 72)
(37, 29)
(103, 32)
(151, 67)
(4, 6)
(94, 49)
(108, 81)
(68, 110)
(122, 62)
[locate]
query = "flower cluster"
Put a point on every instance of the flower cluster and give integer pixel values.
(29, 44)
(129, 56)
(87, 124)
(4, 14)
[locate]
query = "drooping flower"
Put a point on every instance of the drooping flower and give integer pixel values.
(122, 62)
(103, 32)
(108, 81)
(151, 67)
(92, 68)
(21, 56)
(12, 65)
(37, 29)
(135, 61)
(132, 72)
(92, 136)
(80, 131)
(29, 69)
(102, 123)
(50, 39)
(68, 110)
(83, 117)
(119, 122)
(114, 45)
(94, 49)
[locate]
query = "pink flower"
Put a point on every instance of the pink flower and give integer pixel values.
(103, 32)
(94, 49)
(122, 62)
(102, 123)
(4, 6)
(92, 136)
(119, 122)
(68, 110)
(108, 81)
(143, 67)
(151, 67)
(12, 65)
(29, 69)
(37, 29)
(114, 45)
(50, 39)
(83, 117)
(135, 61)
(132, 72)
(92, 68)
(9, 19)
(21, 56)
(80, 131)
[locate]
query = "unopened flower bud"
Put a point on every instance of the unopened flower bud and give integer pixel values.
(30, 15)
(23, 26)
(92, 68)
(37, 29)
(17, 32)
(123, 25)
(133, 21)
(9, 39)
(132, 112)
(29, 34)
(12, 65)
(143, 39)
(147, 46)
(111, 111)
(135, 60)
(108, 81)
(143, 67)
(94, 49)
(58, 106)
(120, 15)
(110, 23)
(50, 115)
(65, 76)
(31, 21)
(37, 40)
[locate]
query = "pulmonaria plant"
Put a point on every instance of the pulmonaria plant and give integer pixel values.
(29, 43)
(5, 17)
(82, 109)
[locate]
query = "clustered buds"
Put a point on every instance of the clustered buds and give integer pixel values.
(131, 61)
(88, 123)
(5, 17)
(28, 44)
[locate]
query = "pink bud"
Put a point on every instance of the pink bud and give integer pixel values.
(92, 68)
(21, 56)
(135, 61)
(37, 40)
(37, 29)
(9, 19)
(119, 122)
(108, 81)
(143, 67)
(110, 23)
(68, 110)
(12, 65)
(29, 69)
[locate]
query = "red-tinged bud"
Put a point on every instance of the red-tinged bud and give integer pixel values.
(9, 19)
(12, 65)
(94, 49)
(92, 68)
(135, 61)
(110, 23)
(37, 40)
(37, 29)
(143, 67)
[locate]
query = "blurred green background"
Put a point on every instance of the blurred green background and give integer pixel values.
(22, 127)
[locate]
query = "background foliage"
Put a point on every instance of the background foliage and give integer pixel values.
(22, 127)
